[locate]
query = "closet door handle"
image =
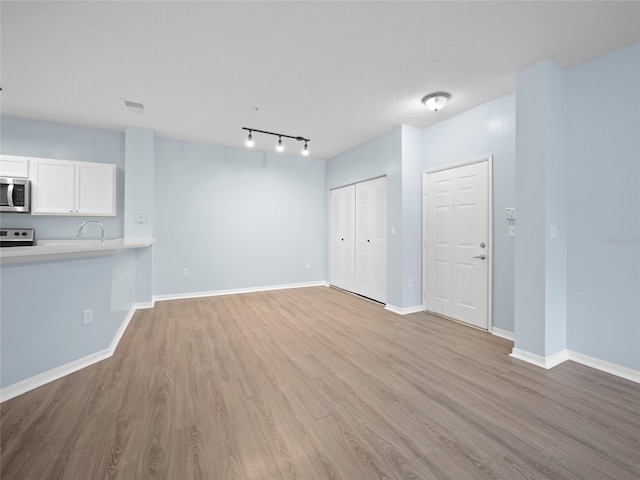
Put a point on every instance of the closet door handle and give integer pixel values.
(481, 257)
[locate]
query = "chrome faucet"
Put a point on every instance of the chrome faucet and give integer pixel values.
(79, 234)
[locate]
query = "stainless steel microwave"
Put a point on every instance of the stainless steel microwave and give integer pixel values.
(14, 195)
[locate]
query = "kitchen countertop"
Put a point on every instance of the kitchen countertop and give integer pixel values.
(69, 248)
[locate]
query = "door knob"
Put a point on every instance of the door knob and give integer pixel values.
(481, 257)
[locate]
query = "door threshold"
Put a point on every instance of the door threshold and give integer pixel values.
(461, 322)
(358, 295)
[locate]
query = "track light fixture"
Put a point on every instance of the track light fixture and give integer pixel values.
(279, 145)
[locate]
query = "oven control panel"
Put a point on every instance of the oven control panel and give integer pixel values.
(17, 237)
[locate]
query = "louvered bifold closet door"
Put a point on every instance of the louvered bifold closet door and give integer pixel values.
(343, 237)
(371, 239)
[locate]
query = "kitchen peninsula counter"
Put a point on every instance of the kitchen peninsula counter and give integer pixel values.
(73, 248)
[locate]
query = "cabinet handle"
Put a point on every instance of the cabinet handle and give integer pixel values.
(368, 240)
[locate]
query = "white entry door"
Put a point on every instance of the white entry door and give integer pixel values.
(456, 243)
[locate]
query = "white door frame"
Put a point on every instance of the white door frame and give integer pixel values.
(483, 158)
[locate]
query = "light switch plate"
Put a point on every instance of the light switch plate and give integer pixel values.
(511, 213)
(141, 217)
(512, 230)
(553, 231)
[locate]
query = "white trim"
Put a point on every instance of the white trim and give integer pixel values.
(43, 378)
(564, 355)
(483, 158)
(538, 360)
(464, 163)
(490, 250)
(144, 305)
(233, 291)
(404, 310)
(506, 334)
(604, 366)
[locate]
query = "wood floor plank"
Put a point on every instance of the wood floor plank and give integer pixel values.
(317, 384)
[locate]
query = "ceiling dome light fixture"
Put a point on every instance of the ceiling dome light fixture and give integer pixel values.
(280, 145)
(435, 101)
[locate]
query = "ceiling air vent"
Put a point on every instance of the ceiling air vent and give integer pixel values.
(133, 107)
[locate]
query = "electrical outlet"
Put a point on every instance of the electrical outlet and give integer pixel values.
(185, 272)
(87, 316)
(411, 283)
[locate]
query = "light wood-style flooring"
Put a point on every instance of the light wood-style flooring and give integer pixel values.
(315, 383)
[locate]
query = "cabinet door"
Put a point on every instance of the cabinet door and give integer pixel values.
(342, 237)
(13, 166)
(53, 186)
(371, 239)
(95, 188)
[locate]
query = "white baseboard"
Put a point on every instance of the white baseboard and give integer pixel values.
(506, 334)
(547, 362)
(232, 291)
(43, 378)
(403, 310)
(144, 305)
(604, 366)
(564, 355)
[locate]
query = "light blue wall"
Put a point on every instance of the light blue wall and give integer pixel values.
(65, 142)
(604, 207)
(377, 157)
(487, 129)
(139, 188)
(235, 218)
(411, 227)
(540, 274)
(555, 211)
(42, 309)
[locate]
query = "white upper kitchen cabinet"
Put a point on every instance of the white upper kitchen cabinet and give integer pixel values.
(61, 187)
(14, 166)
(95, 188)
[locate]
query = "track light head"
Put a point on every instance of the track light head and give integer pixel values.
(279, 146)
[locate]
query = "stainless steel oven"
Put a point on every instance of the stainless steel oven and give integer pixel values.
(14, 195)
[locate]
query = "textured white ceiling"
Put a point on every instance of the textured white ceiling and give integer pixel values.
(339, 73)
